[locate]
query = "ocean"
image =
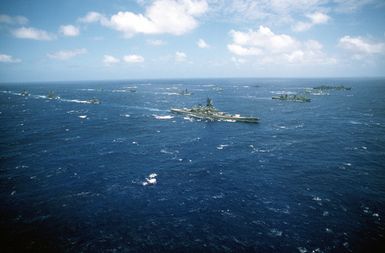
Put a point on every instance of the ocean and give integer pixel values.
(309, 177)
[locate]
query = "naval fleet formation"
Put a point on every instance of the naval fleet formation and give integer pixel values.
(209, 113)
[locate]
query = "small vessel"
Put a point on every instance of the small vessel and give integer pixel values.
(315, 92)
(52, 95)
(130, 88)
(217, 88)
(292, 97)
(327, 87)
(209, 112)
(185, 92)
(25, 93)
(94, 101)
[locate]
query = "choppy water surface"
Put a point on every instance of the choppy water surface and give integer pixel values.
(310, 177)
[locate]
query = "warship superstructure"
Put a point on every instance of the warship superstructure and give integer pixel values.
(209, 112)
(292, 97)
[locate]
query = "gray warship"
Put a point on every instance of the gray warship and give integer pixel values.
(327, 87)
(292, 97)
(25, 93)
(185, 92)
(94, 101)
(52, 95)
(209, 112)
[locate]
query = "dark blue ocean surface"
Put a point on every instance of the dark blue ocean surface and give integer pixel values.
(310, 177)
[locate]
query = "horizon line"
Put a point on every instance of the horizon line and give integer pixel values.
(184, 78)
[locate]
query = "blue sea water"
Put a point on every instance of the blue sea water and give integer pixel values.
(309, 177)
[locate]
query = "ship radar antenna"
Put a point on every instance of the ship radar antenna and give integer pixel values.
(209, 102)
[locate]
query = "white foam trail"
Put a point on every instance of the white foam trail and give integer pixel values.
(229, 120)
(150, 180)
(152, 175)
(220, 147)
(39, 96)
(355, 122)
(302, 250)
(170, 93)
(76, 101)
(275, 232)
(164, 151)
(163, 116)
(86, 89)
(10, 92)
(146, 108)
(283, 92)
(189, 119)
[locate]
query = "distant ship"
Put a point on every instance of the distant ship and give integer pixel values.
(52, 95)
(25, 93)
(94, 101)
(294, 97)
(327, 87)
(185, 92)
(209, 112)
(217, 89)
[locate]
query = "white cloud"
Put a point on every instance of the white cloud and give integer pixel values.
(174, 17)
(156, 43)
(93, 17)
(67, 54)
(109, 60)
(238, 61)
(360, 46)
(318, 18)
(8, 59)
(13, 20)
(272, 11)
(302, 26)
(180, 56)
(69, 30)
(133, 58)
(257, 42)
(202, 44)
(315, 18)
(268, 47)
(32, 33)
(281, 12)
(244, 51)
(351, 5)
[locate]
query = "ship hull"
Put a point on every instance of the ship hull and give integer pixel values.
(215, 117)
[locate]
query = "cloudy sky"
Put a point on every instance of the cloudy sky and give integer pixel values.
(44, 40)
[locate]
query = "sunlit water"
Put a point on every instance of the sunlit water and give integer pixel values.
(310, 177)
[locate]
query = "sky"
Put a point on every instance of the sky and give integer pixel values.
(45, 40)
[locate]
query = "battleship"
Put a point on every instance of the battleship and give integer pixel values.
(294, 97)
(209, 112)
